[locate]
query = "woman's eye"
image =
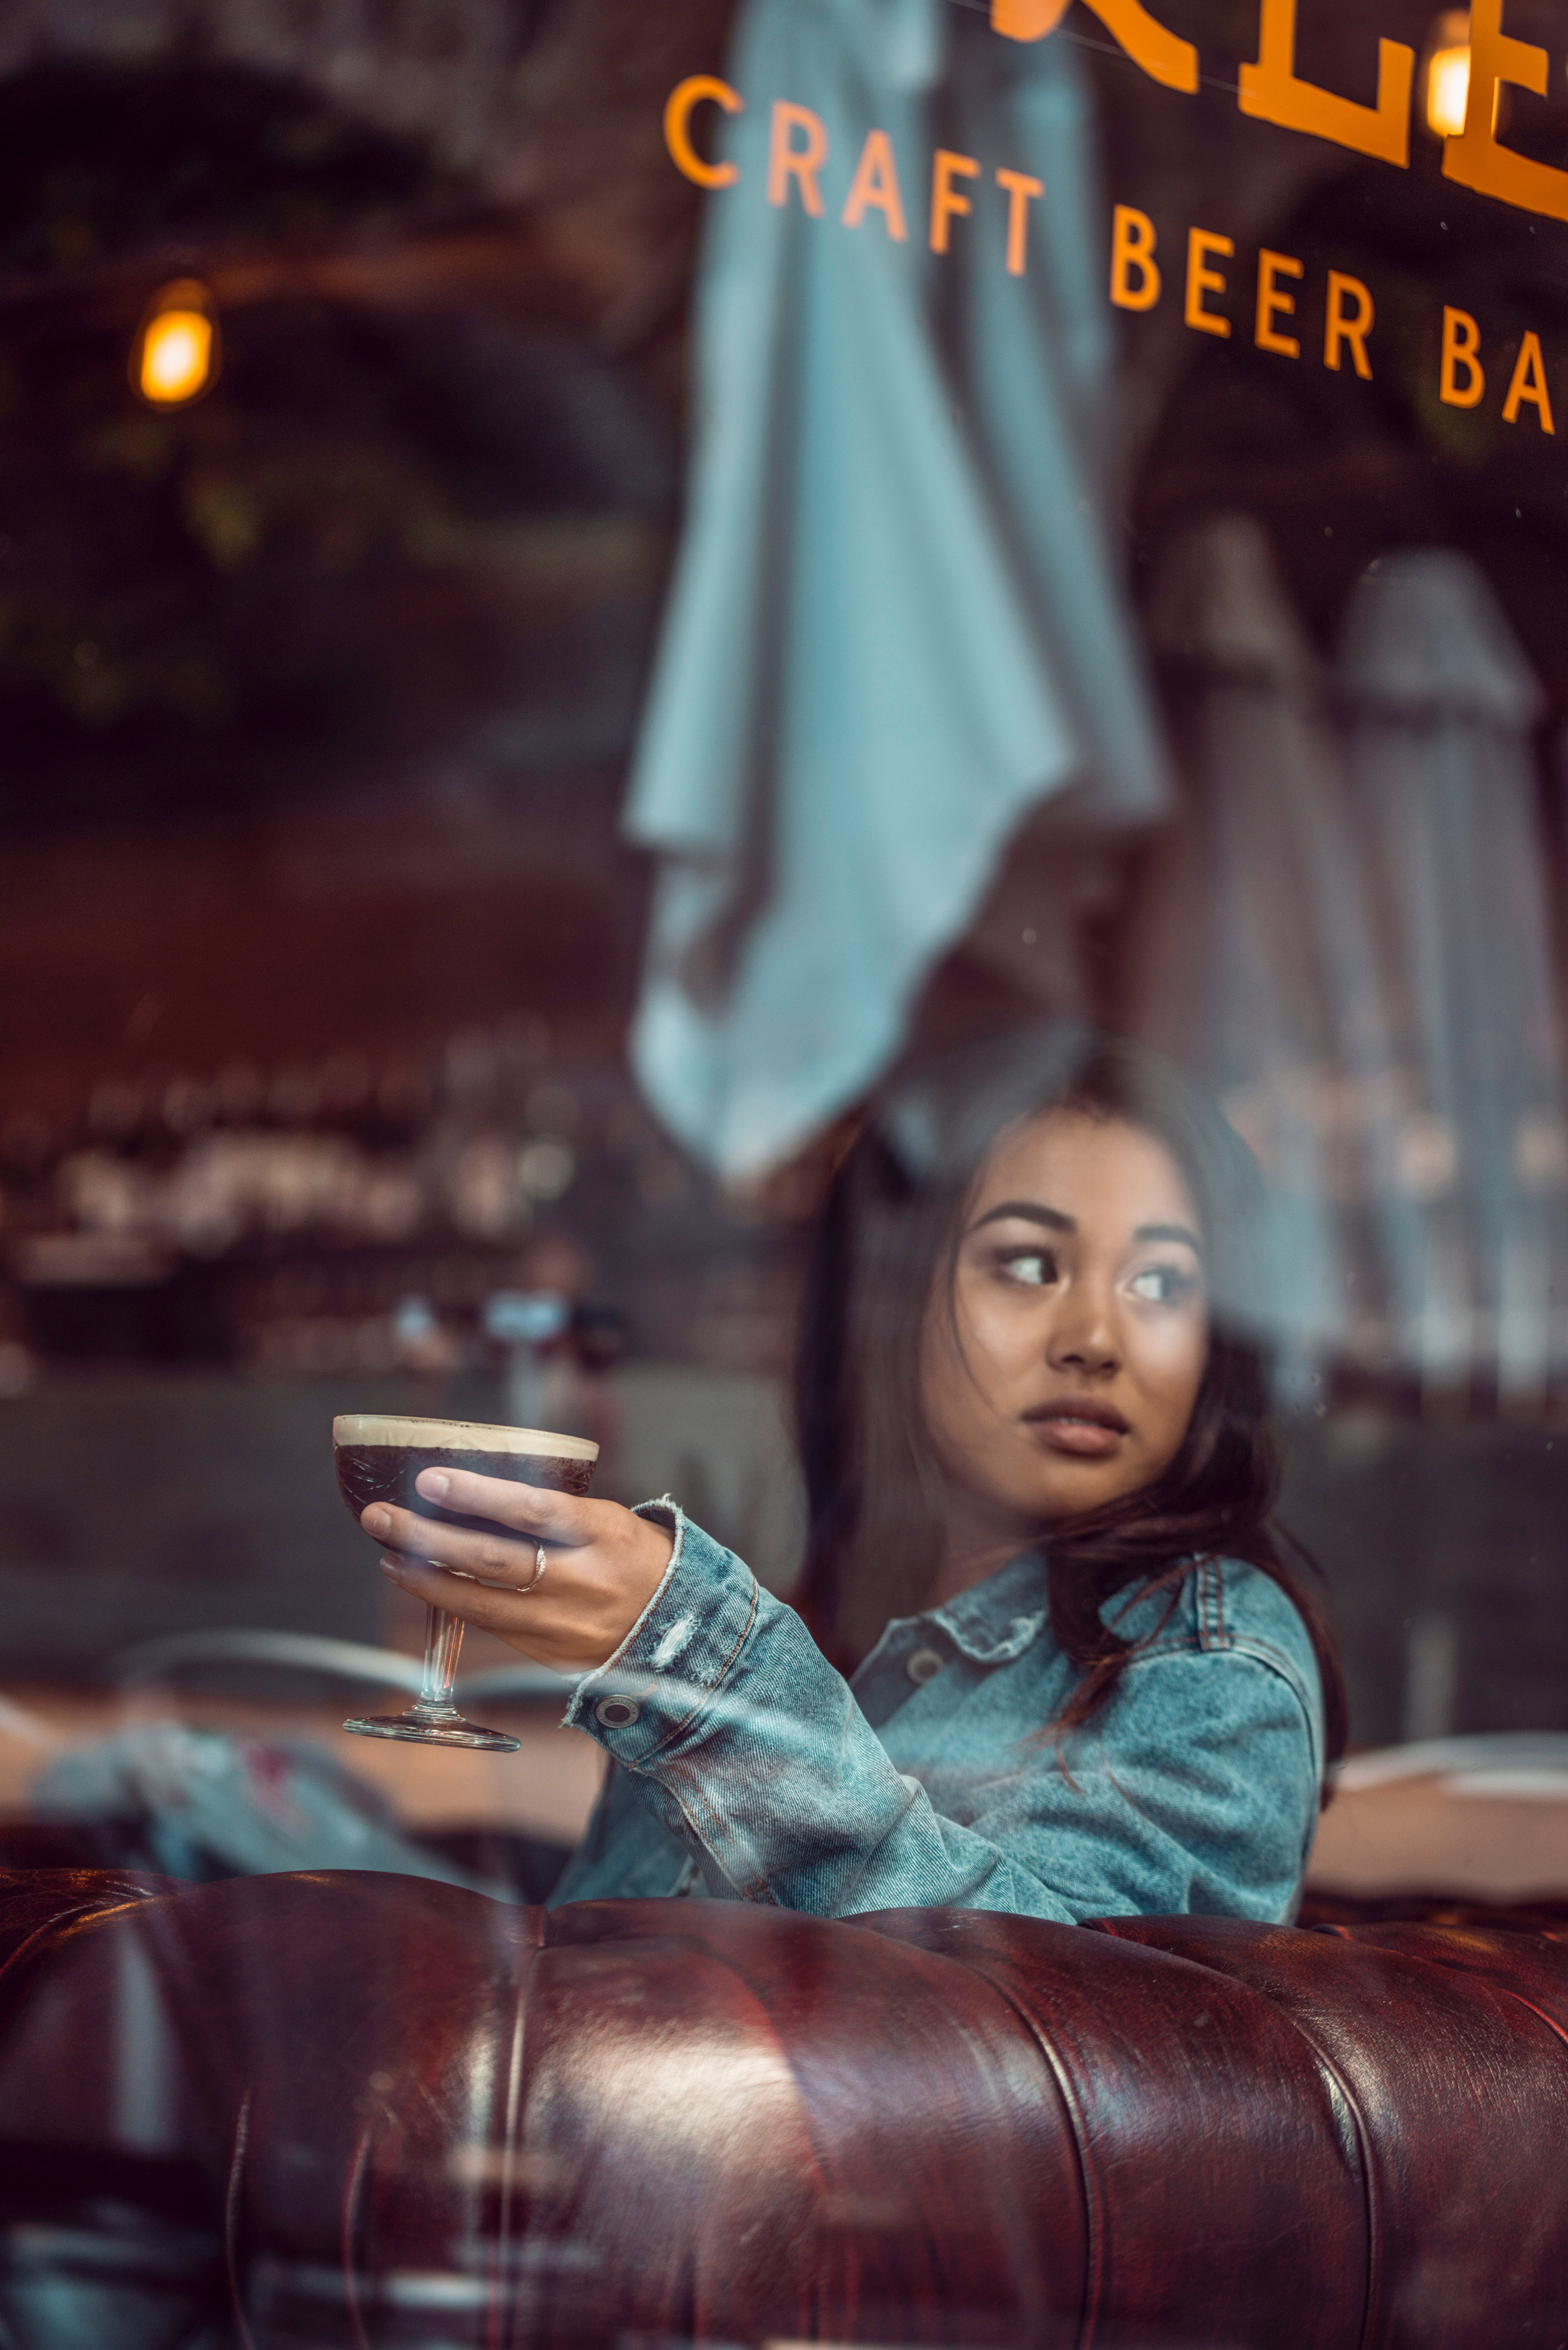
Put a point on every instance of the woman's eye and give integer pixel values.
(1162, 1284)
(1034, 1268)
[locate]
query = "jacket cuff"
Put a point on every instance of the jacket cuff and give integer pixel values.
(677, 1655)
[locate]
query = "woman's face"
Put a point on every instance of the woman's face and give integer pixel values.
(1066, 1373)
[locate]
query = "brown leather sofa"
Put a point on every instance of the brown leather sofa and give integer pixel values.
(365, 2110)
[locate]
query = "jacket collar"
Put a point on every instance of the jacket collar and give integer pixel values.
(996, 1621)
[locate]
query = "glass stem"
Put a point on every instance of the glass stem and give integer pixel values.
(443, 1641)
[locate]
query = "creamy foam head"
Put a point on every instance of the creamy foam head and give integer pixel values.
(458, 1436)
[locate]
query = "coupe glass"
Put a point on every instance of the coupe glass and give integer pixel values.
(378, 1458)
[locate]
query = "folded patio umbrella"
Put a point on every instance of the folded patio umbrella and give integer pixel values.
(1441, 711)
(896, 627)
(1255, 959)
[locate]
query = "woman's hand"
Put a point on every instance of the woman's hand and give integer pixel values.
(603, 1563)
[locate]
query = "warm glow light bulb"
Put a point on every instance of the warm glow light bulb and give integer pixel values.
(1449, 76)
(176, 356)
(1448, 92)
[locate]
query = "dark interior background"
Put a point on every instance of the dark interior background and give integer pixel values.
(317, 697)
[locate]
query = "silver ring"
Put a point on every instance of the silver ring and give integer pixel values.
(538, 1572)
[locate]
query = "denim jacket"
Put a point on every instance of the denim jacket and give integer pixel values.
(745, 1767)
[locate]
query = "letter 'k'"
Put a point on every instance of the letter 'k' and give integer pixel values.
(1160, 54)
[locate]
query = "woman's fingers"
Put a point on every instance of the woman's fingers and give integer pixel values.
(490, 1557)
(537, 1510)
(570, 1630)
(476, 1603)
(497, 1550)
(603, 1563)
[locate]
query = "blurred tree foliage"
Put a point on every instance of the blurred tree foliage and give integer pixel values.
(401, 523)
(97, 160)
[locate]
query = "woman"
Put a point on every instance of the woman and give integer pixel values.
(1061, 1665)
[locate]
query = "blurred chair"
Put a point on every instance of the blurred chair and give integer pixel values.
(252, 1653)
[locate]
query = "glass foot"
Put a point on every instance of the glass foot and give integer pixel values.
(432, 1729)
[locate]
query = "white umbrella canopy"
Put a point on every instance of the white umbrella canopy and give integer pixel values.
(1256, 965)
(1442, 710)
(894, 628)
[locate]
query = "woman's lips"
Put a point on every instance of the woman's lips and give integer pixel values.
(1092, 1434)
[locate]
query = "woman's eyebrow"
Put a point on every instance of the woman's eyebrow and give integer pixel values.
(1031, 1213)
(1168, 1232)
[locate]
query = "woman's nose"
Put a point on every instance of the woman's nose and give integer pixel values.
(1083, 1335)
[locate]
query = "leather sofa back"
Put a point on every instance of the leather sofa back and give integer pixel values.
(379, 2110)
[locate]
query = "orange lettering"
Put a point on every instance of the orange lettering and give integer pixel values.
(787, 161)
(947, 204)
(1133, 242)
(1271, 92)
(1272, 304)
(1019, 189)
(875, 187)
(1201, 243)
(1342, 327)
(1530, 383)
(1162, 56)
(1461, 349)
(1027, 20)
(678, 109)
(1475, 158)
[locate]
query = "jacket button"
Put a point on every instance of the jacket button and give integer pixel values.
(617, 1712)
(923, 1664)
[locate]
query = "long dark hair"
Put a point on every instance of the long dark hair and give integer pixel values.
(889, 1232)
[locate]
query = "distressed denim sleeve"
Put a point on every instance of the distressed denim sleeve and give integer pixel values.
(1195, 1792)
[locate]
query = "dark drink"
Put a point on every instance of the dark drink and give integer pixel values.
(378, 1457)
